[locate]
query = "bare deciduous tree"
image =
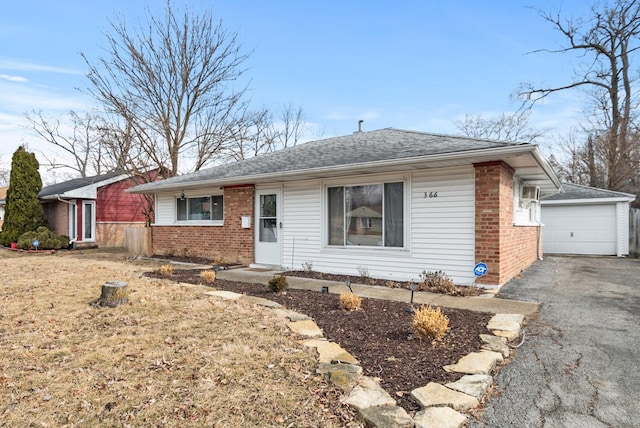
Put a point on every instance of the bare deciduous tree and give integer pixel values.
(607, 43)
(168, 87)
(259, 133)
(506, 127)
(77, 136)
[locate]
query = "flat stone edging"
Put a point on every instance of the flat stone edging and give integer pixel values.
(442, 405)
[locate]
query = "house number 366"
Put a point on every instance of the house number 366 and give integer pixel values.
(430, 194)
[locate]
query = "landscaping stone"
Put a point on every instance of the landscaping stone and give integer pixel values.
(345, 376)
(306, 328)
(495, 343)
(386, 417)
(441, 417)
(476, 363)
(291, 315)
(506, 325)
(474, 385)
(435, 395)
(368, 393)
(260, 301)
(226, 295)
(330, 352)
(505, 318)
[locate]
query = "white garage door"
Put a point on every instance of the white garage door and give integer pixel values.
(589, 229)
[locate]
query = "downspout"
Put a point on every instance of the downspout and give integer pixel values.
(71, 240)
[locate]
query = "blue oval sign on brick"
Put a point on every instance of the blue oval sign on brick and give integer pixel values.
(480, 269)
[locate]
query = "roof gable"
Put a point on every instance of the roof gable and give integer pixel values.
(83, 187)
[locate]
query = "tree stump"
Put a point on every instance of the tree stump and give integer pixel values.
(113, 293)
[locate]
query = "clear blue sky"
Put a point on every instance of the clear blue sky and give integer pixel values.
(418, 65)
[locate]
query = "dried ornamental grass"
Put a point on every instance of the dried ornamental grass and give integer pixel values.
(430, 323)
(165, 270)
(208, 275)
(350, 301)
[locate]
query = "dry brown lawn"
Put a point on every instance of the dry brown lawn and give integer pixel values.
(173, 356)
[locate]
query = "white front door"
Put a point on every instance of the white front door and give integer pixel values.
(268, 227)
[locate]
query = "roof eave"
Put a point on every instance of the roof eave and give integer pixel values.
(473, 156)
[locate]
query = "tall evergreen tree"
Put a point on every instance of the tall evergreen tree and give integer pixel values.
(23, 212)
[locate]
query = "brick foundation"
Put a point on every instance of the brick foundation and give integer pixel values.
(226, 244)
(505, 248)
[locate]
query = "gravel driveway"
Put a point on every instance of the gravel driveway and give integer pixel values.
(578, 366)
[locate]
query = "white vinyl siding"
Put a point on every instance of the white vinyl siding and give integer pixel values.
(439, 231)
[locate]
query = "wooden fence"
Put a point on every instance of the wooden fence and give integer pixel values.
(634, 232)
(137, 240)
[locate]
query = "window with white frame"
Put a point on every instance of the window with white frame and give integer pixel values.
(201, 208)
(369, 215)
(526, 204)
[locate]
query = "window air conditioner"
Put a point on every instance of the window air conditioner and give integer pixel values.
(530, 193)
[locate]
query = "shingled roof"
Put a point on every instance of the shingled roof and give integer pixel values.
(76, 183)
(387, 145)
(578, 191)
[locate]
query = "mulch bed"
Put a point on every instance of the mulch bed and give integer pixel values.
(379, 335)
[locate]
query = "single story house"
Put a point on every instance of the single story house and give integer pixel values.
(392, 201)
(586, 220)
(93, 211)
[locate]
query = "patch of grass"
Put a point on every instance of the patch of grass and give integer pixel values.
(172, 356)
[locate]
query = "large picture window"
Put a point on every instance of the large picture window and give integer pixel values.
(200, 208)
(371, 215)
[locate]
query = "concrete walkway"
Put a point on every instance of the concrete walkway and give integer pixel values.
(479, 303)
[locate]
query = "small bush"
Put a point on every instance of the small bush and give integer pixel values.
(48, 239)
(437, 282)
(363, 271)
(350, 301)
(165, 270)
(278, 284)
(208, 275)
(429, 323)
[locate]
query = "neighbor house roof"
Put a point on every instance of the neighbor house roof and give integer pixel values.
(84, 187)
(576, 193)
(385, 150)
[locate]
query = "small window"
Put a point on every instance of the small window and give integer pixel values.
(200, 208)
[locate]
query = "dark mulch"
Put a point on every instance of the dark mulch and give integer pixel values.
(379, 335)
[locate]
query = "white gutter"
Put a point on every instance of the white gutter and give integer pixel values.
(481, 153)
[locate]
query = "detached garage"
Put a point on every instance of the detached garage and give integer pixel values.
(586, 220)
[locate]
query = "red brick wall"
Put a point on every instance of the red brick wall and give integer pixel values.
(505, 248)
(227, 244)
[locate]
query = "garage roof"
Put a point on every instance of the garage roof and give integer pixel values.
(578, 193)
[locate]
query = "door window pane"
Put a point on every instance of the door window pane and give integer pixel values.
(88, 221)
(268, 221)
